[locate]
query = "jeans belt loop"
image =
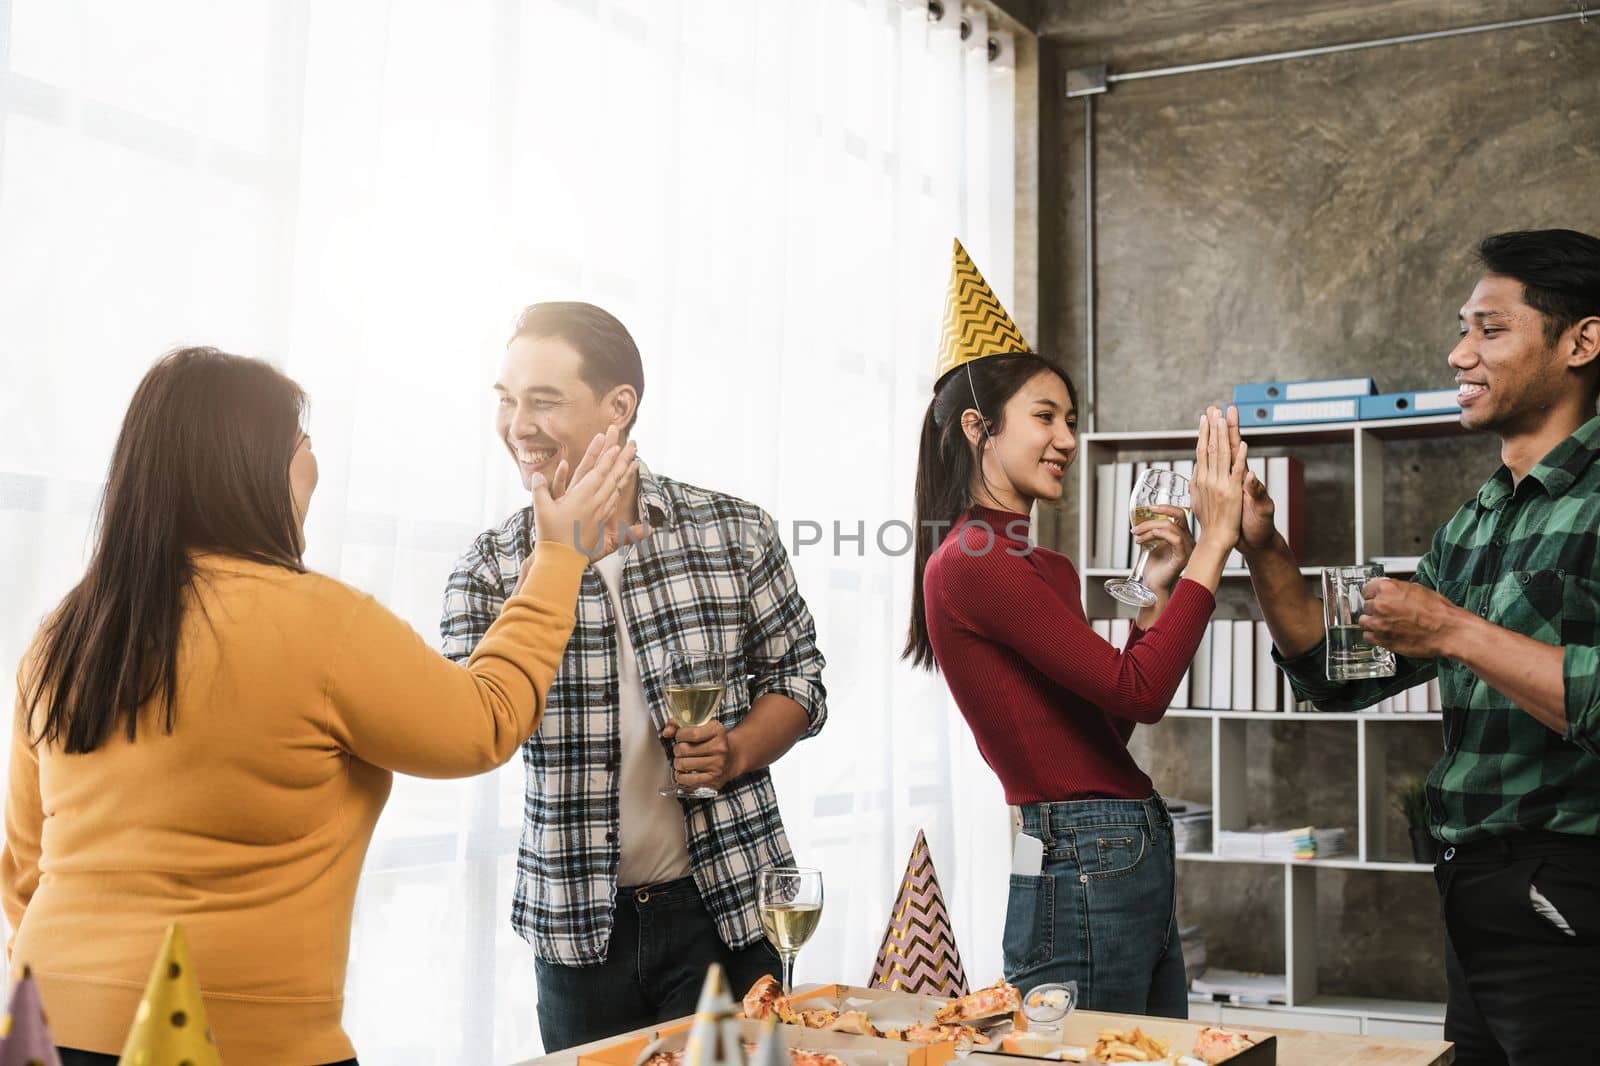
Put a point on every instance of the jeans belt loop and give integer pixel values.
(1045, 832)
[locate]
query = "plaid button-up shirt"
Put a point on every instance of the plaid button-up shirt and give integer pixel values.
(1527, 559)
(712, 569)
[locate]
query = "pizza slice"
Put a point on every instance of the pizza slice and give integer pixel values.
(763, 995)
(999, 998)
(938, 1033)
(802, 1057)
(854, 1021)
(818, 1019)
(1219, 1045)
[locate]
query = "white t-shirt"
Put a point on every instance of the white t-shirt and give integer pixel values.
(654, 845)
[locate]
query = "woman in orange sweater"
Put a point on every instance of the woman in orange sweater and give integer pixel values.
(206, 732)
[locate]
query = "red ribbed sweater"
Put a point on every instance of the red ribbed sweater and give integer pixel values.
(1050, 702)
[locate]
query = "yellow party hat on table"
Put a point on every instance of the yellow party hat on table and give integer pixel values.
(976, 326)
(170, 1027)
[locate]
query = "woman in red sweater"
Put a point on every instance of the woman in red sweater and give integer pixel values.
(1050, 703)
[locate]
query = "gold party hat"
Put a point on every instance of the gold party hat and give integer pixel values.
(170, 1027)
(975, 325)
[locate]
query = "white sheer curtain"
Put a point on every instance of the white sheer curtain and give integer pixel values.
(366, 192)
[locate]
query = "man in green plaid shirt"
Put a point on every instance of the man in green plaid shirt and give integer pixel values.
(1505, 611)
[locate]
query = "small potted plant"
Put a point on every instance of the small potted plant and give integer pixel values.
(1411, 797)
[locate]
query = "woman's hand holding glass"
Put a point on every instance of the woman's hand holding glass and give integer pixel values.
(1170, 544)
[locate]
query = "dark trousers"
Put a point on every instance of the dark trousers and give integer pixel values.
(74, 1057)
(1523, 992)
(662, 941)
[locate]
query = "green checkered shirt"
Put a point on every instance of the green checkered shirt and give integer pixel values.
(1529, 560)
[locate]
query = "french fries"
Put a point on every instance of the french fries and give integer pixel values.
(1116, 1045)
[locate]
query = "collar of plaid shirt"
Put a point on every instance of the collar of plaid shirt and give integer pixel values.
(712, 570)
(1526, 558)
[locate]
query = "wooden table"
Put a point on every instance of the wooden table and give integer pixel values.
(1295, 1047)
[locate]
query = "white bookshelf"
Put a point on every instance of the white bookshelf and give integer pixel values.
(1306, 1008)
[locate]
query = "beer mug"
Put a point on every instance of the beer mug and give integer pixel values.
(1350, 658)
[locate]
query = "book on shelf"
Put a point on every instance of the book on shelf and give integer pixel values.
(1269, 683)
(1286, 484)
(1200, 672)
(1121, 631)
(1421, 698)
(1417, 698)
(1221, 665)
(1105, 513)
(1244, 675)
(1122, 489)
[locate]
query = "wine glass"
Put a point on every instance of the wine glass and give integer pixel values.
(790, 901)
(693, 683)
(1155, 488)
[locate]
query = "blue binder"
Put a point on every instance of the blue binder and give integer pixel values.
(1320, 389)
(1410, 404)
(1346, 409)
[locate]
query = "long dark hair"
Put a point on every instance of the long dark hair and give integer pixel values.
(201, 464)
(946, 462)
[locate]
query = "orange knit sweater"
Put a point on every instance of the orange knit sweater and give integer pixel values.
(298, 697)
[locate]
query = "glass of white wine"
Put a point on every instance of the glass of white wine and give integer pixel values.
(1155, 488)
(693, 684)
(790, 901)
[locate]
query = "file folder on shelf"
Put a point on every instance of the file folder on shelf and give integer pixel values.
(1292, 413)
(1258, 392)
(1408, 404)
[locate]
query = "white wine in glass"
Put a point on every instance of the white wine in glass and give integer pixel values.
(692, 704)
(693, 686)
(1156, 488)
(789, 899)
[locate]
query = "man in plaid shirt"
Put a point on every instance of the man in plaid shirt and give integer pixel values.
(627, 895)
(1505, 611)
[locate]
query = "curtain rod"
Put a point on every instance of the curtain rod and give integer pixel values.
(1095, 86)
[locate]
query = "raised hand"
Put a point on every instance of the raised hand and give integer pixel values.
(581, 510)
(1217, 488)
(1256, 528)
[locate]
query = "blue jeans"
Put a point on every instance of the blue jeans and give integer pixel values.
(1103, 910)
(662, 941)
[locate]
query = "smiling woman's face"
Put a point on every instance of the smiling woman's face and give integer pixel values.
(1038, 439)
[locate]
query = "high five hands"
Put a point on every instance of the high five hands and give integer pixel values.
(1402, 616)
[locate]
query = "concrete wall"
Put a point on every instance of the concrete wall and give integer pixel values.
(1303, 219)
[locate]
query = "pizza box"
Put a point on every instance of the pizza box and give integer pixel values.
(893, 1009)
(851, 1048)
(1082, 1028)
